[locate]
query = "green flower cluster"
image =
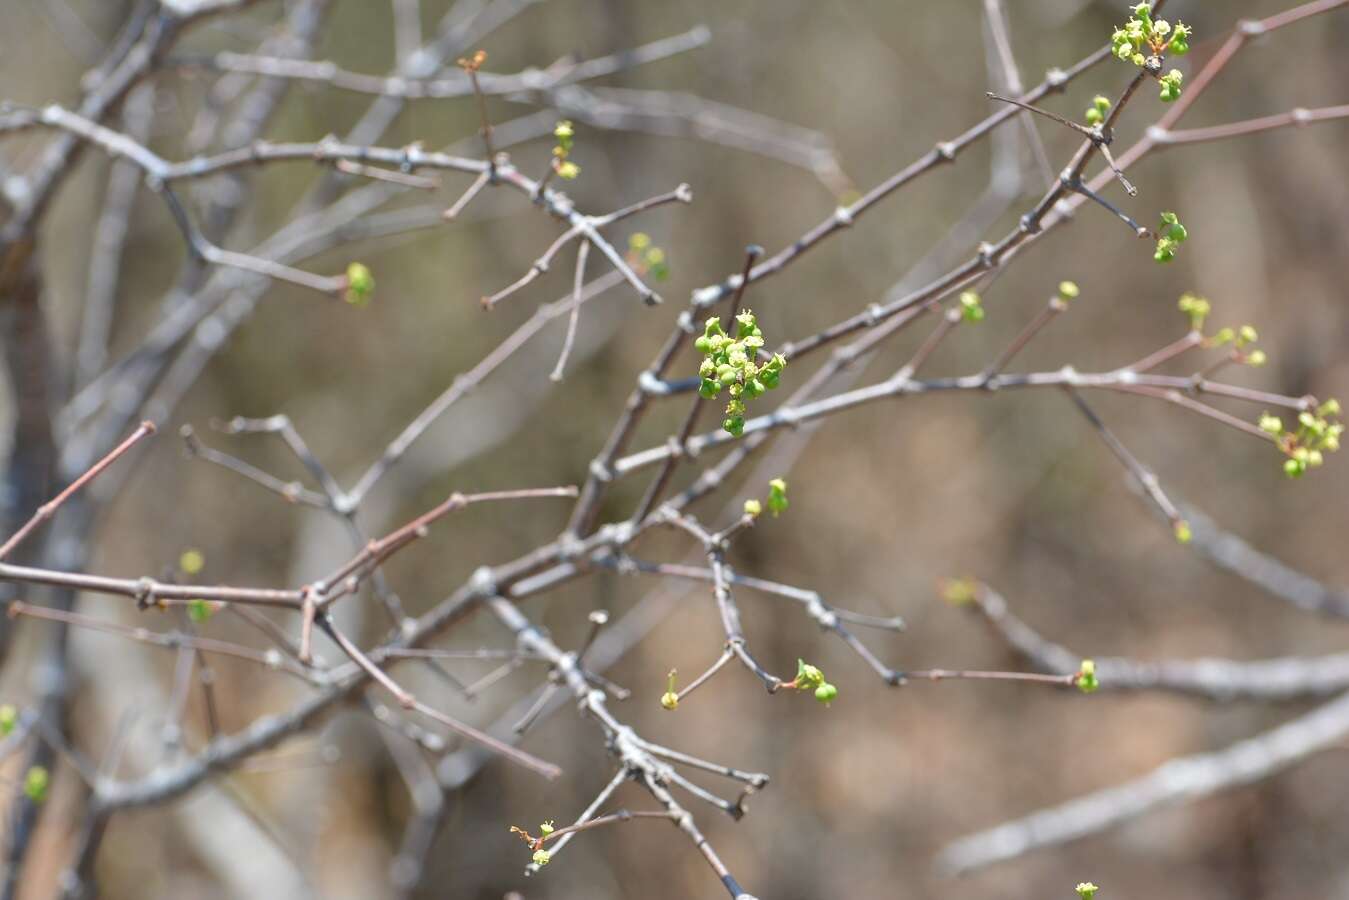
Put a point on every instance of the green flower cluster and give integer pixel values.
(809, 678)
(565, 133)
(1243, 339)
(1316, 434)
(1170, 235)
(1143, 41)
(1086, 890)
(9, 717)
(731, 363)
(1141, 38)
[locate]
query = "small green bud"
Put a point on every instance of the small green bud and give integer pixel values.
(1086, 677)
(1330, 408)
(1294, 468)
(1094, 116)
(1068, 290)
(826, 693)
(1183, 532)
(1256, 358)
(807, 676)
(708, 388)
(1247, 335)
(9, 717)
(1086, 890)
(360, 285)
(541, 857)
(959, 591)
(753, 509)
(547, 828)
(199, 611)
(1100, 104)
(734, 425)
(568, 170)
(1271, 425)
(639, 241)
(970, 308)
(35, 784)
(191, 562)
(777, 497)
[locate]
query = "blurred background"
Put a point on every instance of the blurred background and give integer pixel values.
(1013, 488)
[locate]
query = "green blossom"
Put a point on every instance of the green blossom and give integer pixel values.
(731, 363)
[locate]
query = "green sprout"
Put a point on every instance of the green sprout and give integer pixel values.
(565, 133)
(970, 307)
(35, 784)
(1197, 308)
(753, 509)
(731, 363)
(1170, 236)
(1086, 890)
(1184, 533)
(1096, 112)
(1143, 41)
(777, 497)
(670, 699)
(360, 284)
(1317, 433)
(1085, 679)
(9, 717)
(1068, 290)
(810, 678)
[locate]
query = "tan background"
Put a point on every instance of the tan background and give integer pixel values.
(1013, 488)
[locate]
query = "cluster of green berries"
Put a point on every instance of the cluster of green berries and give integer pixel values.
(565, 133)
(1085, 678)
(810, 678)
(1170, 84)
(1096, 112)
(1170, 235)
(646, 259)
(360, 284)
(1143, 41)
(731, 363)
(1316, 434)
